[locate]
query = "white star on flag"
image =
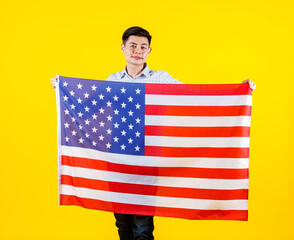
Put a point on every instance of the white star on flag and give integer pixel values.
(123, 105)
(123, 90)
(123, 147)
(123, 133)
(108, 89)
(138, 91)
(115, 98)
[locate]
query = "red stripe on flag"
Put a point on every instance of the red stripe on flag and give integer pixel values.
(198, 110)
(212, 194)
(197, 152)
(197, 131)
(156, 171)
(198, 89)
(241, 215)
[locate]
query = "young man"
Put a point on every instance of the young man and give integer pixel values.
(136, 49)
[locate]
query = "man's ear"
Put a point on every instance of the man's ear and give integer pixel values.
(149, 50)
(122, 48)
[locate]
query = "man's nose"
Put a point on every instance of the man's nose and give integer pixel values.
(138, 50)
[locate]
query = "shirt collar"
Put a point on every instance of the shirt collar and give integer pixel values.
(145, 72)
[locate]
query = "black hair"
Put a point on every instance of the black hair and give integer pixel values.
(136, 31)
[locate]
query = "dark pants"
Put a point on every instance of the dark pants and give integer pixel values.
(136, 227)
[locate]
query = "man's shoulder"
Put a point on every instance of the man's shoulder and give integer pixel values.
(163, 76)
(149, 76)
(160, 72)
(114, 76)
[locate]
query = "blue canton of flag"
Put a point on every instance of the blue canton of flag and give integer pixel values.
(105, 116)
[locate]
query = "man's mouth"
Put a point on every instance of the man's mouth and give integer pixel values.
(137, 58)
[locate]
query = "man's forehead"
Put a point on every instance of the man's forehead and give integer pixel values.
(137, 40)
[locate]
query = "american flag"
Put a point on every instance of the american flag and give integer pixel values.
(173, 150)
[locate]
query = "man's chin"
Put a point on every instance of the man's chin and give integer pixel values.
(138, 63)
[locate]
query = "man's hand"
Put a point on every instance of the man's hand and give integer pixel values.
(54, 82)
(252, 85)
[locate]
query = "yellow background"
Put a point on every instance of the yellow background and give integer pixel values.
(196, 42)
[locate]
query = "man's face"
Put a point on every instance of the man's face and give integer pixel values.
(136, 50)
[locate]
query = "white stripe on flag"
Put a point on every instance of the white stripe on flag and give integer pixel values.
(242, 142)
(202, 183)
(191, 121)
(181, 100)
(230, 163)
(157, 201)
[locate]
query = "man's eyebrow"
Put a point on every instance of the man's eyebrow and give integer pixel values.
(137, 43)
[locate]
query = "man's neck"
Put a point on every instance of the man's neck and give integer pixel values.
(135, 70)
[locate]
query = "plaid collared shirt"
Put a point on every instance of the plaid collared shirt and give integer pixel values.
(146, 76)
